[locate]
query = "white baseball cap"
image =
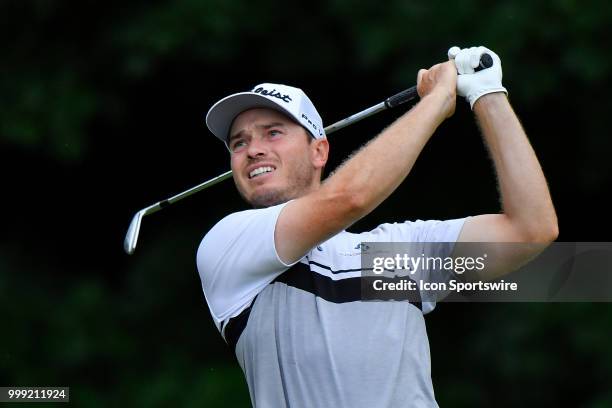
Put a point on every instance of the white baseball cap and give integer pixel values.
(291, 101)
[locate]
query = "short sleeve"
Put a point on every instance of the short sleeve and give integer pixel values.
(237, 259)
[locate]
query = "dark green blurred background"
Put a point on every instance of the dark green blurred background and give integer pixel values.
(101, 114)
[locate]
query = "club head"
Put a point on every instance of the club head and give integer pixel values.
(129, 244)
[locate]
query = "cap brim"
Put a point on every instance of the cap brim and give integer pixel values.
(220, 117)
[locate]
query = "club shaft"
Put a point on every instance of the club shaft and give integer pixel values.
(355, 118)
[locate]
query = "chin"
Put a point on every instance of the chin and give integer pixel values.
(267, 201)
(268, 198)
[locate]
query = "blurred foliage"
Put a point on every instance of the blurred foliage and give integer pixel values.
(93, 94)
(63, 63)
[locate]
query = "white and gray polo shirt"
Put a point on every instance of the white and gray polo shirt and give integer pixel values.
(301, 333)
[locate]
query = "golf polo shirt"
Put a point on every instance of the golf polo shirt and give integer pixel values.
(301, 336)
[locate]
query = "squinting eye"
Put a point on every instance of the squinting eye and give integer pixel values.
(275, 132)
(237, 145)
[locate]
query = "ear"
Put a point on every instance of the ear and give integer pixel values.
(319, 149)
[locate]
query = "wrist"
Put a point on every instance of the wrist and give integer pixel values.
(482, 92)
(489, 101)
(443, 101)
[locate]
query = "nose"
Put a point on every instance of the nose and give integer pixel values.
(257, 148)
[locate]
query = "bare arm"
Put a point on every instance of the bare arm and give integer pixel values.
(372, 174)
(528, 215)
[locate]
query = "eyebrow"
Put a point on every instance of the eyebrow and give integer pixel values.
(264, 126)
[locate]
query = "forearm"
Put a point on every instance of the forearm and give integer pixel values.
(374, 172)
(524, 192)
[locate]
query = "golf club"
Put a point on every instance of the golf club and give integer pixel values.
(131, 238)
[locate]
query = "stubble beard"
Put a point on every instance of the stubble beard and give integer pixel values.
(300, 183)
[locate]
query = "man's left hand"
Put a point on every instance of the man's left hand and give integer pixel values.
(471, 84)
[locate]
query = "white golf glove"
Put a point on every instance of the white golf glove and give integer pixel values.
(470, 84)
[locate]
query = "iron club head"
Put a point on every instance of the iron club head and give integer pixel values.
(129, 244)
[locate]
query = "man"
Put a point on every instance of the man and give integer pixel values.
(280, 279)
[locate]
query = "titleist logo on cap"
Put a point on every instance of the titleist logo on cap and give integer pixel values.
(274, 93)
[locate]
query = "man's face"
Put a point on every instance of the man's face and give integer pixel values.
(273, 158)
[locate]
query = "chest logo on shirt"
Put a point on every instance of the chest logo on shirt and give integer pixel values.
(361, 247)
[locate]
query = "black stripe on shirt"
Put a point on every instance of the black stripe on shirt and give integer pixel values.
(235, 326)
(330, 269)
(344, 290)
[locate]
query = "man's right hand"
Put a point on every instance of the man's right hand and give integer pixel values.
(440, 79)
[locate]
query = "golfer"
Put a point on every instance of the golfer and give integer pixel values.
(279, 279)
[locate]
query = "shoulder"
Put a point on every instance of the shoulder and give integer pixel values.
(241, 217)
(242, 240)
(247, 221)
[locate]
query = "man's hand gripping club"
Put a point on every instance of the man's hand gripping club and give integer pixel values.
(440, 79)
(473, 83)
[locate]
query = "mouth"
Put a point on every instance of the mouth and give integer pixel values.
(260, 171)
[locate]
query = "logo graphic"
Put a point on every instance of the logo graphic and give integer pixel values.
(311, 123)
(274, 93)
